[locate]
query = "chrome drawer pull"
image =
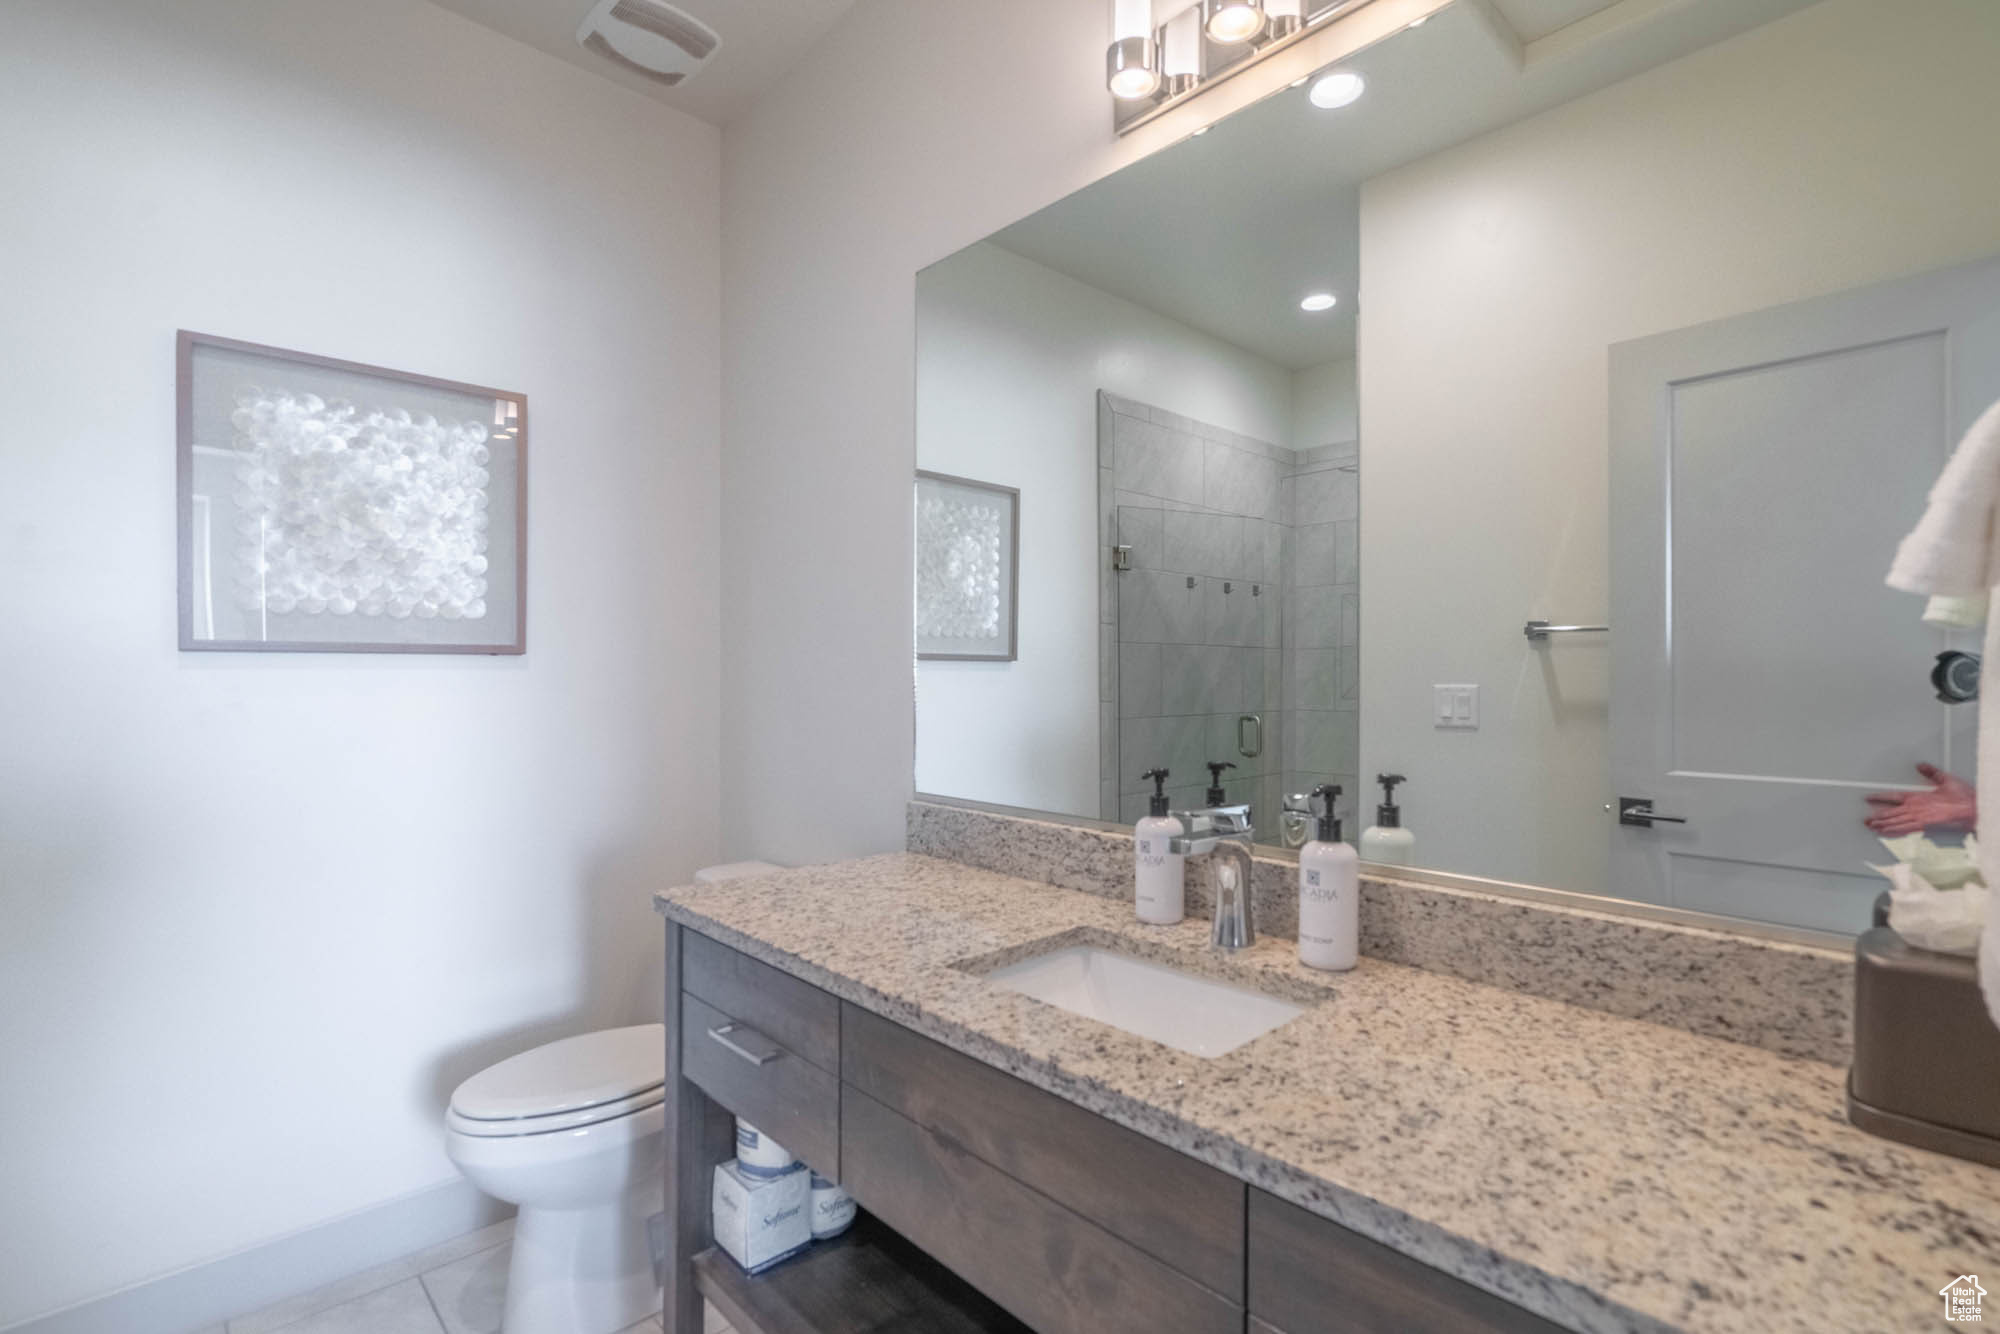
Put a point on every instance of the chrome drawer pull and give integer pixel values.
(721, 1034)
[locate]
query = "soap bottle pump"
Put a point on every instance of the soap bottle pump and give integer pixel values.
(1329, 891)
(1160, 883)
(1386, 840)
(1216, 796)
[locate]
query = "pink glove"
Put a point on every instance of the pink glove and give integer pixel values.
(1950, 804)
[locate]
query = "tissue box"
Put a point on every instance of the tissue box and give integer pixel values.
(760, 1220)
(1926, 1057)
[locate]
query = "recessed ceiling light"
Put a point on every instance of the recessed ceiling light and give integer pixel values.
(1198, 133)
(1300, 82)
(1319, 301)
(1338, 89)
(1420, 22)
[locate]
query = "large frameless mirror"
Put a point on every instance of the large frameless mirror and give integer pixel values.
(1654, 329)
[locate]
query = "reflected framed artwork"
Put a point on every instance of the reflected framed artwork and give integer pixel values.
(968, 563)
(332, 507)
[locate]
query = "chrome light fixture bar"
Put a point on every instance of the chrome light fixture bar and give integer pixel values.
(1150, 70)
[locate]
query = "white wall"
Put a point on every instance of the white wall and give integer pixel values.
(1323, 405)
(258, 913)
(1010, 356)
(1848, 143)
(837, 188)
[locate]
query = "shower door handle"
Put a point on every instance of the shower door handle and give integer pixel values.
(1250, 735)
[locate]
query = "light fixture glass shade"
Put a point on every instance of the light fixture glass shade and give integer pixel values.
(1338, 89)
(1180, 51)
(1232, 21)
(1131, 18)
(1132, 68)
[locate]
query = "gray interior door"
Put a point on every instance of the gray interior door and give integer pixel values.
(1763, 469)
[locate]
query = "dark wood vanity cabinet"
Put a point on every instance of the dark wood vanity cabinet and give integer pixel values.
(766, 1046)
(1031, 1213)
(1308, 1275)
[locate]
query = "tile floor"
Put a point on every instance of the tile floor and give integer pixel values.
(454, 1288)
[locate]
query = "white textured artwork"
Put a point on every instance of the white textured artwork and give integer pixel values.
(344, 512)
(964, 576)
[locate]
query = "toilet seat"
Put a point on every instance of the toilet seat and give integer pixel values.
(510, 1127)
(562, 1085)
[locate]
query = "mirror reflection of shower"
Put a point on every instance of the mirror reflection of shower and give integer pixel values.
(1234, 604)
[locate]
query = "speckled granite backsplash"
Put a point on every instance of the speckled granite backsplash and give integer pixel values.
(1792, 999)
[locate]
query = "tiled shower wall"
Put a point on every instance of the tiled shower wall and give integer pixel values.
(1322, 629)
(1242, 597)
(1192, 633)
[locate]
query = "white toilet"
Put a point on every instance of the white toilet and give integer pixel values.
(573, 1133)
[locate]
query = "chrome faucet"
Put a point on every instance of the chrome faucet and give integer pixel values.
(1295, 820)
(1223, 834)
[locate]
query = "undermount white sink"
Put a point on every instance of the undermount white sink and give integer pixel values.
(1195, 1014)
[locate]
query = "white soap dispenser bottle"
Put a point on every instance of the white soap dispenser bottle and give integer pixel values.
(1329, 892)
(1160, 887)
(1386, 840)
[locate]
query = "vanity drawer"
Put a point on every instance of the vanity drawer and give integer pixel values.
(1310, 1276)
(1049, 1267)
(796, 1015)
(739, 1065)
(1170, 1206)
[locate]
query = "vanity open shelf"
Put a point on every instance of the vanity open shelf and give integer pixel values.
(868, 1280)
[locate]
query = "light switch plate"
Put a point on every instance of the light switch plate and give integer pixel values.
(1455, 707)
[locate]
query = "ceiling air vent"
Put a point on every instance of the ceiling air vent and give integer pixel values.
(648, 37)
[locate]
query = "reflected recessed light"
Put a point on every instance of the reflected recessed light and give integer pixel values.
(1319, 301)
(1300, 82)
(1198, 133)
(1420, 22)
(1337, 89)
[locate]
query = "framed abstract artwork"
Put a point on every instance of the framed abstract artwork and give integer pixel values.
(332, 507)
(968, 567)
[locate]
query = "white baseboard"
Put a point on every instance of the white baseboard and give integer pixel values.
(205, 1295)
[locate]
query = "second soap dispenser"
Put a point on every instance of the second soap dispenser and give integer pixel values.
(1386, 840)
(1329, 891)
(1159, 885)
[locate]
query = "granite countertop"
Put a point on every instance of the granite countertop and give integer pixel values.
(1609, 1174)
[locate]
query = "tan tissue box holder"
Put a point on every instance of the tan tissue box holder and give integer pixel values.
(1926, 1056)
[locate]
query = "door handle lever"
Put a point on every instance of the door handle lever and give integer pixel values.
(1638, 812)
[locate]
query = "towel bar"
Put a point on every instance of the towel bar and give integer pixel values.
(1537, 630)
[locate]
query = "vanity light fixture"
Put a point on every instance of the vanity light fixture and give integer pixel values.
(1318, 301)
(1152, 66)
(1341, 88)
(1132, 61)
(1231, 22)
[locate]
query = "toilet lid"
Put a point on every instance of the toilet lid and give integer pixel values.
(565, 1076)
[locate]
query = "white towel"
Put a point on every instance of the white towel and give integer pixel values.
(1953, 611)
(1952, 551)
